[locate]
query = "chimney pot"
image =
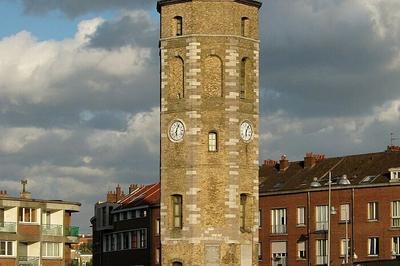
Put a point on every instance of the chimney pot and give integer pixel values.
(283, 163)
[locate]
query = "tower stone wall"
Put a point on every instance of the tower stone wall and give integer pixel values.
(209, 54)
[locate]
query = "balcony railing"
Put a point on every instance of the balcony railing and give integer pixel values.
(52, 229)
(279, 261)
(71, 231)
(6, 227)
(28, 260)
(279, 229)
(321, 226)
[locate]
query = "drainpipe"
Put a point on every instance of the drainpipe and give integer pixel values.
(308, 226)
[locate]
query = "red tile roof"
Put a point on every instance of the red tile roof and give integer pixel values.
(144, 195)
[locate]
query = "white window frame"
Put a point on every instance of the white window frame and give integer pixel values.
(30, 216)
(158, 227)
(301, 216)
(396, 245)
(212, 141)
(345, 212)
(301, 250)
(53, 246)
(259, 251)
(321, 251)
(279, 221)
(6, 249)
(373, 246)
(395, 210)
(321, 217)
(343, 247)
(373, 211)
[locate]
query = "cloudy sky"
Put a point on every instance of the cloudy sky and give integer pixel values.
(79, 89)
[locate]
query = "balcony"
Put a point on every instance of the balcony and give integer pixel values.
(279, 229)
(321, 226)
(28, 260)
(71, 233)
(52, 230)
(6, 227)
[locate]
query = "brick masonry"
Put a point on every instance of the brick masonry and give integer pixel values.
(211, 49)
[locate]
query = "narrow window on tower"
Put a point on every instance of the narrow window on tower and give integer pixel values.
(212, 141)
(243, 78)
(177, 263)
(243, 203)
(245, 27)
(177, 211)
(178, 25)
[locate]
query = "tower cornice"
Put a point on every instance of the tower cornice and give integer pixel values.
(171, 2)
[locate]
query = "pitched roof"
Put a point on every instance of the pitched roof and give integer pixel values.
(361, 170)
(145, 195)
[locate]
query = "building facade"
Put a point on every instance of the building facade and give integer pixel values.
(209, 53)
(36, 232)
(127, 231)
(364, 216)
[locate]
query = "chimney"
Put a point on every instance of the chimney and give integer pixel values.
(132, 187)
(111, 197)
(25, 194)
(283, 163)
(3, 193)
(309, 160)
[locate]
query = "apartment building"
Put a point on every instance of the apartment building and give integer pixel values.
(364, 214)
(126, 228)
(35, 231)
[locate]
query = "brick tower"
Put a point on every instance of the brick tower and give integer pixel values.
(209, 53)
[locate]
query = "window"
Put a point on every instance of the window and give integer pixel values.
(321, 251)
(345, 245)
(245, 27)
(158, 256)
(243, 203)
(373, 246)
(119, 241)
(1, 217)
(212, 141)
(301, 250)
(27, 215)
(103, 216)
(158, 227)
(321, 219)
(372, 211)
(177, 211)
(178, 26)
(260, 218)
(279, 253)
(301, 216)
(396, 245)
(126, 240)
(110, 208)
(139, 238)
(243, 78)
(278, 221)
(50, 249)
(177, 263)
(344, 212)
(6, 248)
(394, 174)
(396, 213)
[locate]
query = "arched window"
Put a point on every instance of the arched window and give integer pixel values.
(212, 141)
(245, 27)
(177, 263)
(243, 78)
(212, 78)
(178, 25)
(243, 203)
(177, 211)
(176, 78)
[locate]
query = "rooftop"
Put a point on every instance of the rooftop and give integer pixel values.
(361, 170)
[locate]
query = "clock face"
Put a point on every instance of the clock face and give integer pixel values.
(246, 131)
(176, 131)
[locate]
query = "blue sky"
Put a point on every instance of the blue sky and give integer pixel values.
(79, 89)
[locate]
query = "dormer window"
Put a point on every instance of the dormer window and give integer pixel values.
(394, 174)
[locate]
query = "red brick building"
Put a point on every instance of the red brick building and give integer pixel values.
(365, 209)
(126, 228)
